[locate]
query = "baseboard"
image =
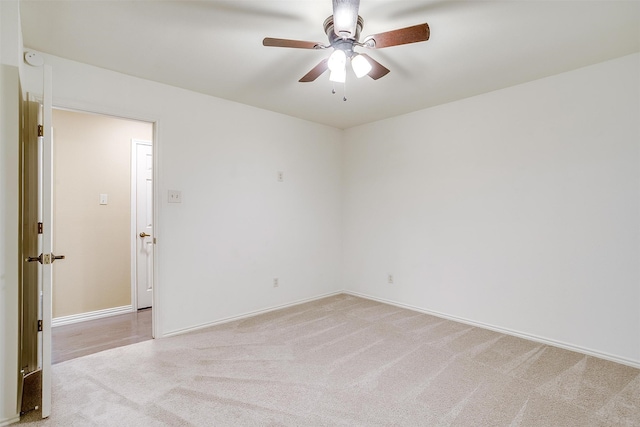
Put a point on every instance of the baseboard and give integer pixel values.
(91, 315)
(11, 420)
(542, 340)
(249, 314)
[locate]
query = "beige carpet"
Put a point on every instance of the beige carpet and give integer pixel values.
(343, 361)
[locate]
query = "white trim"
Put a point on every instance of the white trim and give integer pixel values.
(155, 153)
(547, 341)
(11, 420)
(132, 219)
(91, 315)
(66, 104)
(250, 314)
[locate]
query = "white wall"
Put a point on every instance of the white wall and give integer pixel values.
(237, 227)
(9, 162)
(10, 43)
(517, 209)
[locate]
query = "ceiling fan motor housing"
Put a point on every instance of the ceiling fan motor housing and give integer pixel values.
(342, 43)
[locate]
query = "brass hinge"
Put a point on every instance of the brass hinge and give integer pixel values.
(40, 130)
(39, 325)
(40, 231)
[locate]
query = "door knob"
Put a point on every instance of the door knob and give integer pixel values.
(143, 235)
(55, 257)
(34, 259)
(45, 258)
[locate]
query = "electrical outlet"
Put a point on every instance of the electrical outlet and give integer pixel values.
(174, 196)
(390, 279)
(280, 176)
(275, 282)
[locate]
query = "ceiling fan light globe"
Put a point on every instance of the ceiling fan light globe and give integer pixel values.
(338, 76)
(360, 65)
(337, 61)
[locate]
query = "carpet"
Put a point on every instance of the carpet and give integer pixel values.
(343, 361)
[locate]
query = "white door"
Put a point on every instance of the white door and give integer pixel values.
(42, 207)
(47, 240)
(31, 286)
(143, 168)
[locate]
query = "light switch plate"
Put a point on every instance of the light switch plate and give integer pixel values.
(174, 196)
(103, 199)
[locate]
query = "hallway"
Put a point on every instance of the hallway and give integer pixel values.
(93, 336)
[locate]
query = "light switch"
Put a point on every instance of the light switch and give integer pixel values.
(174, 196)
(103, 199)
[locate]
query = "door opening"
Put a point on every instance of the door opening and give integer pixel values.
(71, 205)
(95, 208)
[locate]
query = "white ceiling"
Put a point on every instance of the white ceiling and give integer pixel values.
(215, 47)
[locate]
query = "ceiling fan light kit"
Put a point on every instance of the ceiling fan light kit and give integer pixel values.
(360, 65)
(337, 60)
(343, 30)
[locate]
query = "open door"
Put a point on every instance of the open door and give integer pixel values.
(37, 250)
(31, 246)
(142, 209)
(47, 238)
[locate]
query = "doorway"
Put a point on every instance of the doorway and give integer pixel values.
(95, 222)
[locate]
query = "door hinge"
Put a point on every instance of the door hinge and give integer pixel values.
(40, 130)
(40, 228)
(39, 325)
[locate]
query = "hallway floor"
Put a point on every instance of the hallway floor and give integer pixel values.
(93, 336)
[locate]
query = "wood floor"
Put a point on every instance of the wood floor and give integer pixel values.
(93, 336)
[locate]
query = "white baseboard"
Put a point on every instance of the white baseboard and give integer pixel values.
(249, 314)
(91, 315)
(554, 343)
(11, 420)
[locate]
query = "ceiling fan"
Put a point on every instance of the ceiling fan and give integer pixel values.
(343, 30)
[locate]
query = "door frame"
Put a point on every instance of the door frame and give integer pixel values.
(81, 107)
(134, 217)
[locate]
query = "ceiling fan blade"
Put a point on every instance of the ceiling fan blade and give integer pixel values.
(377, 69)
(414, 34)
(315, 71)
(345, 17)
(298, 44)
